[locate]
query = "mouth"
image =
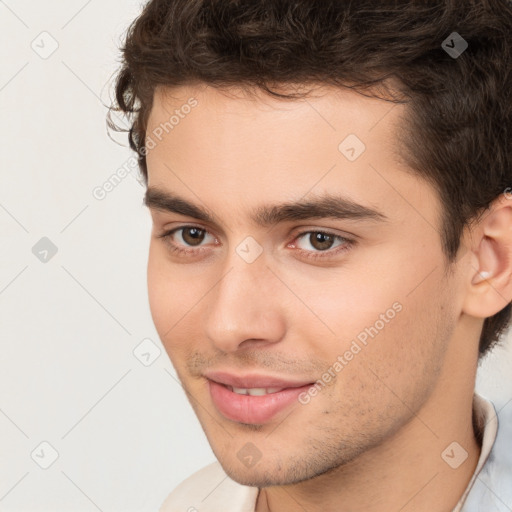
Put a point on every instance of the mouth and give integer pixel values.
(253, 399)
(254, 391)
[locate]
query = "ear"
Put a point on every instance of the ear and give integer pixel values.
(489, 277)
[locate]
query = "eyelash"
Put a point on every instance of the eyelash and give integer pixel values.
(348, 243)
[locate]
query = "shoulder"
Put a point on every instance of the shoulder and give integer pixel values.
(210, 489)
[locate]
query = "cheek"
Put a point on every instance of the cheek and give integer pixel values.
(347, 304)
(165, 297)
(173, 293)
(392, 317)
(364, 285)
(157, 288)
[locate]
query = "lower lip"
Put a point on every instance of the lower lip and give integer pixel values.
(252, 409)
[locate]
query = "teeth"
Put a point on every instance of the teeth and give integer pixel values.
(254, 391)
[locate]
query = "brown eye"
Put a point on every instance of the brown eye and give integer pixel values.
(321, 244)
(193, 236)
(321, 241)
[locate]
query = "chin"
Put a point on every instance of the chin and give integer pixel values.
(269, 473)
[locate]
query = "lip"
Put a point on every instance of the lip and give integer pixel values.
(252, 409)
(253, 380)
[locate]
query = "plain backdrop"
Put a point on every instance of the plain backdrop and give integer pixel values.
(92, 416)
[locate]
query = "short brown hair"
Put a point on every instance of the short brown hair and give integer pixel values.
(459, 131)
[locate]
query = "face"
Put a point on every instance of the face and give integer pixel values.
(317, 277)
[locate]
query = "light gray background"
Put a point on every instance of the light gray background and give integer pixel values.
(123, 430)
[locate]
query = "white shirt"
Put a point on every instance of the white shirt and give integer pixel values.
(489, 490)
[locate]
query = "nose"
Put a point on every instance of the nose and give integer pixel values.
(244, 308)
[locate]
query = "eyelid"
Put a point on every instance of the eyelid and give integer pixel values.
(168, 233)
(300, 230)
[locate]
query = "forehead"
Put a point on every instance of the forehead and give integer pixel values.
(235, 126)
(249, 146)
(357, 111)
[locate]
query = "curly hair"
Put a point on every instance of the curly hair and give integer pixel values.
(458, 132)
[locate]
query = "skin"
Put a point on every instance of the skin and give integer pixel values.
(384, 421)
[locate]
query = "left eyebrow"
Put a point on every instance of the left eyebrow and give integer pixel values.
(326, 206)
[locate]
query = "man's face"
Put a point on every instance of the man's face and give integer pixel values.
(362, 298)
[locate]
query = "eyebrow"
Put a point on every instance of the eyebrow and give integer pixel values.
(324, 206)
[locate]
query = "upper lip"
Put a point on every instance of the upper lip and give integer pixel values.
(253, 380)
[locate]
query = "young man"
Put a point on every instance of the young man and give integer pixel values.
(331, 254)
